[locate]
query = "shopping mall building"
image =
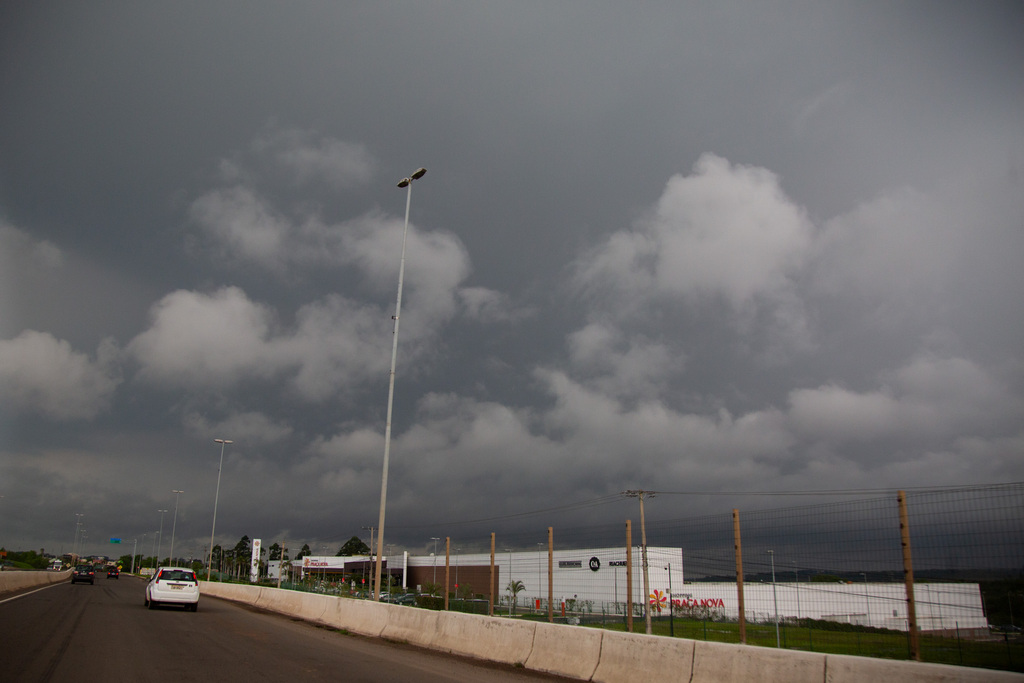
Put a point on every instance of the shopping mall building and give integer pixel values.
(597, 580)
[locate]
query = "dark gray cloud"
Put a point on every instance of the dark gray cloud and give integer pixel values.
(736, 247)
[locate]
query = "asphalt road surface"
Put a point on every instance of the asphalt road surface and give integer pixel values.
(103, 632)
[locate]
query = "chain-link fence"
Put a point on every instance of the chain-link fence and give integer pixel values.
(930, 574)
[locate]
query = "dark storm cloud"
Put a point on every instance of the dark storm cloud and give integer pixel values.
(745, 246)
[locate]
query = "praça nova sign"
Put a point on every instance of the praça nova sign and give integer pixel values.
(659, 601)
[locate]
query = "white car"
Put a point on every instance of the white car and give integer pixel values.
(173, 586)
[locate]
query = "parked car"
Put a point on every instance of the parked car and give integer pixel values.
(399, 598)
(173, 586)
(113, 573)
(83, 573)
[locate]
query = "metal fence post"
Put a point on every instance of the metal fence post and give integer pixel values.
(490, 592)
(551, 574)
(629, 575)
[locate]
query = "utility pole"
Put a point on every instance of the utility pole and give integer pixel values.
(641, 494)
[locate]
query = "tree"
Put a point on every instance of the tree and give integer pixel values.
(305, 551)
(243, 547)
(826, 578)
(275, 552)
(241, 554)
(515, 588)
(353, 546)
(27, 559)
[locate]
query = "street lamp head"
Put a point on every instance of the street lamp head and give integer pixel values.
(419, 173)
(223, 440)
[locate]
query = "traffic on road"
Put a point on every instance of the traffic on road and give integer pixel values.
(104, 631)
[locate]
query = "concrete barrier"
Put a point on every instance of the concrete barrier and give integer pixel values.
(357, 616)
(506, 641)
(287, 602)
(236, 592)
(309, 605)
(583, 653)
(16, 580)
(573, 651)
(410, 625)
(627, 657)
(850, 669)
(729, 663)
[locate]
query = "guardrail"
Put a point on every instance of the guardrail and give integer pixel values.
(590, 654)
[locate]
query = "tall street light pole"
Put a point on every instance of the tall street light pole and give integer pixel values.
(671, 623)
(216, 499)
(796, 575)
(174, 524)
(404, 183)
(160, 542)
(867, 600)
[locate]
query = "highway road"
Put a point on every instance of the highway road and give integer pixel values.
(103, 632)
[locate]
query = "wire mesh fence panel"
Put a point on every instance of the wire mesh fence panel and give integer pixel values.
(966, 537)
(826, 576)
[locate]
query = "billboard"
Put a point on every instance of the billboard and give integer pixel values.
(254, 566)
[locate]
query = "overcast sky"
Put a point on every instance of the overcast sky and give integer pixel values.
(735, 246)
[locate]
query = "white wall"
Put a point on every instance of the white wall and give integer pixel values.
(882, 605)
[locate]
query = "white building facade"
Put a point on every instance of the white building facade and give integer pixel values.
(595, 580)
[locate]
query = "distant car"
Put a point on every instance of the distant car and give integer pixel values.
(399, 599)
(113, 573)
(83, 573)
(173, 586)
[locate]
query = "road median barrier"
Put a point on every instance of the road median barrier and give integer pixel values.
(566, 650)
(235, 592)
(583, 653)
(851, 669)
(411, 625)
(356, 616)
(16, 580)
(635, 657)
(473, 635)
(731, 663)
(294, 603)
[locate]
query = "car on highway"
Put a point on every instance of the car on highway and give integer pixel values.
(83, 573)
(173, 586)
(113, 573)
